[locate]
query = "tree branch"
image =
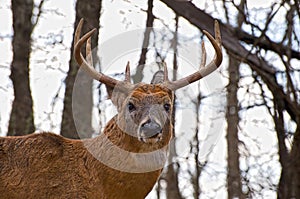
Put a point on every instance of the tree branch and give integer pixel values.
(234, 48)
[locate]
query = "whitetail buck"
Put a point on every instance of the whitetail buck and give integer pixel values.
(123, 162)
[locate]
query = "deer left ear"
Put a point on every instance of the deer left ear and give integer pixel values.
(109, 91)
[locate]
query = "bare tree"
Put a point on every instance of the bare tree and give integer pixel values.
(21, 118)
(80, 109)
(172, 173)
(138, 76)
(282, 83)
(234, 184)
(195, 178)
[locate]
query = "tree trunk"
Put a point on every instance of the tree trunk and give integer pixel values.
(196, 145)
(78, 102)
(138, 76)
(284, 185)
(289, 183)
(21, 118)
(294, 163)
(234, 185)
(172, 190)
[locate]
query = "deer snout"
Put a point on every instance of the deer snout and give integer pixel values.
(150, 129)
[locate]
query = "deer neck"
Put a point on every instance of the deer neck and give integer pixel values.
(120, 151)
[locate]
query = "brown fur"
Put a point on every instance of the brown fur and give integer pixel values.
(46, 165)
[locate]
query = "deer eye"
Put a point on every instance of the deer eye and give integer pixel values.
(167, 107)
(130, 107)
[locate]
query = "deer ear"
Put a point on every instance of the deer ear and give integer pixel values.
(109, 91)
(117, 96)
(158, 77)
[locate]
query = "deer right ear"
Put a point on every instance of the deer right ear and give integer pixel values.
(117, 97)
(158, 77)
(110, 89)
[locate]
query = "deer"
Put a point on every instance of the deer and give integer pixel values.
(124, 161)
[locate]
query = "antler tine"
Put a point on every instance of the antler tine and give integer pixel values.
(166, 77)
(203, 57)
(127, 72)
(216, 42)
(203, 71)
(88, 51)
(86, 64)
(78, 31)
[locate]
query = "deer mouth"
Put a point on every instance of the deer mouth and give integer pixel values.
(150, 132)
(151, 140)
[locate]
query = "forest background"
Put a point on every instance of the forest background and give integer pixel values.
(237, 131)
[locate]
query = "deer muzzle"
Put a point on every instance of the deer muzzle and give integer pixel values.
(150, 131)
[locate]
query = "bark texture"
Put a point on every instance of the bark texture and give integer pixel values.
(21, 118)
(78, 102)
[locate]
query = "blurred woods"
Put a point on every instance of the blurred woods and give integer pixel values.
(256, 154)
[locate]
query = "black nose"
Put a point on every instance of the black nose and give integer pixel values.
(150, 129)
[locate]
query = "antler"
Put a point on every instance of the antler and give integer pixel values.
(87, 64)
(126, 85)
(204, 70)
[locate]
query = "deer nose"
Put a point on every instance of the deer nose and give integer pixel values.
(150, 129)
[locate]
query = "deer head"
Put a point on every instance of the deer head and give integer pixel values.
(145, 110)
